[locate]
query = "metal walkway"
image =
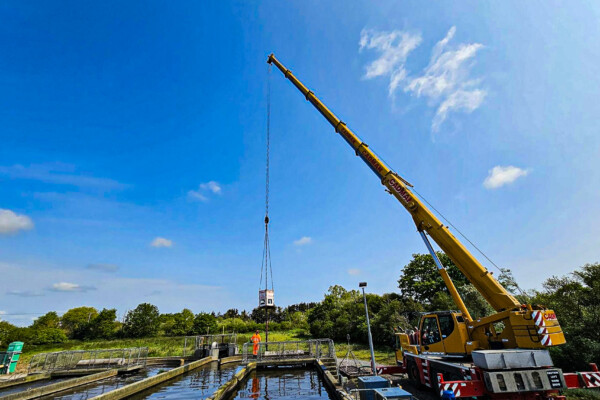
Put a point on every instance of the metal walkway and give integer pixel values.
(122, 359)
(277, 353)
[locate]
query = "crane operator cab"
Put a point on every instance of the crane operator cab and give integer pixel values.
(442, 333)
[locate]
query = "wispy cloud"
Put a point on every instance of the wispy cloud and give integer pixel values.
(393, 48)
(196, 195)
(500, 176)
(354, 271)
(11, 222)
(70, 287)
(111, 291)
(59, 174)
(212, 186)
(103, 267)
(303, 241)
(24, 293)
(445, 82)
(204, 189)
(161, 242)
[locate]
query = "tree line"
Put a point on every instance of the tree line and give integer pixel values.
(575, 297)
(87, 323)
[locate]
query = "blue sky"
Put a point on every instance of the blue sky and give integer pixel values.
(133, 139)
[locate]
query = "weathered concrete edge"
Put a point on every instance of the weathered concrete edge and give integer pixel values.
(26, 379)
(166, 360)
(233, 384)
(232, 359)
(330, 382)
(60, 386)
(144, 384)
(289, 362)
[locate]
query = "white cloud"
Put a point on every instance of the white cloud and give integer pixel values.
(204, 188)
(24, 293)
(103, 267)
(445, 82)
(304, 240)
(161, 242)
(393, 48)
(196, 195)
(500, 176)
(59, 174)
(354, 271)
(212, 186)
(10, 222)
(70, 287)
(466, 100)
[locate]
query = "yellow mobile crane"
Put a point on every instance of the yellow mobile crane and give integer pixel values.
(521, 321)
(491, 340)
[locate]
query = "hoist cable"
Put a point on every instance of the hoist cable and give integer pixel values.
(465, 237)
(266, 260)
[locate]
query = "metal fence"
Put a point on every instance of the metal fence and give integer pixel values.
(314, 348)
(193, 343)
(88, 359)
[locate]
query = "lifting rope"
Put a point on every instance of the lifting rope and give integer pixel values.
(266, 268)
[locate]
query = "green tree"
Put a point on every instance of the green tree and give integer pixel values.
(575, 298)
(48, 320)
(421, 281)
(167, 322)
(6, 329)
(205, 323)
(102, 326)
(231, 313)
(76, 320)
(47, 335)
(340, 313)
(46, 329)
(143, 321)
(183, 323)
(233, 325)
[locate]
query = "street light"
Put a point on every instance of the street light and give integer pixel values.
(363, 285)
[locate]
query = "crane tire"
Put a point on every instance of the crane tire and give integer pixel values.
(413, 374)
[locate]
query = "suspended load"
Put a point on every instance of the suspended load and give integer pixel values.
(266, 298)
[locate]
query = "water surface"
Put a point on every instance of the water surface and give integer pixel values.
(105, 385)
(197, 384)
(283, 383)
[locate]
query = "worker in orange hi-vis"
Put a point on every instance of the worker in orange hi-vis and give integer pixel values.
(256, 340)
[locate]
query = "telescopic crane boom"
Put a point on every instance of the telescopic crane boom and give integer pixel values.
(519, 320)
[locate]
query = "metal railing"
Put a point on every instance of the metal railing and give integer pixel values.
(314, 348)
(88, 359)
(193, 343)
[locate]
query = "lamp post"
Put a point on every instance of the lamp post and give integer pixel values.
(363, 285)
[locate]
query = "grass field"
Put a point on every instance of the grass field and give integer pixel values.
(174, 346)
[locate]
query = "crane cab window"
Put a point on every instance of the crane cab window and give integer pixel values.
(430, 332)
(446, 325)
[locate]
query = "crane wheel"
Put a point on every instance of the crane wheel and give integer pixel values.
(413, 374)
